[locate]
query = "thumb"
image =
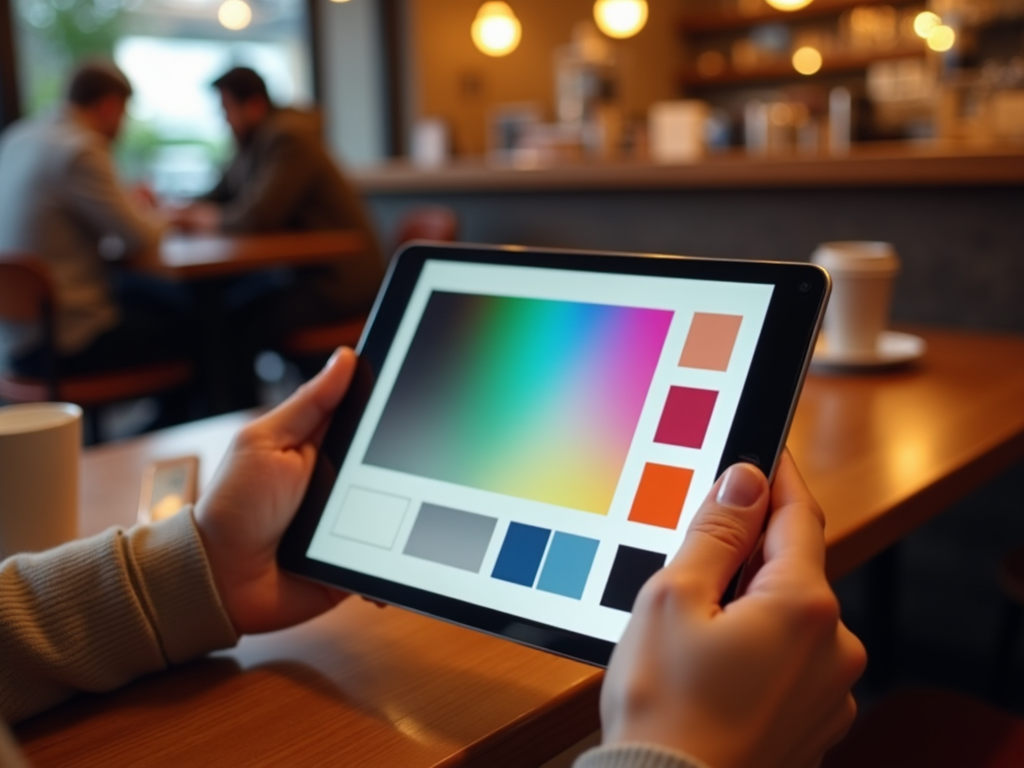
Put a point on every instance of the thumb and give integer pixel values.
(296, 419)
(724, 531)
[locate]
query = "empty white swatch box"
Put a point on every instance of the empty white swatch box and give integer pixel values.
(370, 517)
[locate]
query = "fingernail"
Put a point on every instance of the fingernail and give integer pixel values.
(741, 486)
(333, 358)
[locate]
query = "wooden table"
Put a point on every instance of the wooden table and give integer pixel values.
(884, 453)
(365, 686)
(203, 257)
(209, 261)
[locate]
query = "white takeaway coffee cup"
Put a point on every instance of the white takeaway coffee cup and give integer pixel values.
(863, 273)
(40, 445)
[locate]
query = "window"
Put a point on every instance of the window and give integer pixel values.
(175, 138)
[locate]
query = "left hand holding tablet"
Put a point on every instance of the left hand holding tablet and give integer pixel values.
(258, 487)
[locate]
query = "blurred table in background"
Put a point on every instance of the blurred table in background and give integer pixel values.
(209, 262)
(204, 257)
(364, 686)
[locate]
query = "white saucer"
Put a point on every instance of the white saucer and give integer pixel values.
(893, 349)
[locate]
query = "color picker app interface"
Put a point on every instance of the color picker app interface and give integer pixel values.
(538, 440)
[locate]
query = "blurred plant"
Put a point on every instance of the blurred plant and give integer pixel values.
(58, 33)
(75, 28)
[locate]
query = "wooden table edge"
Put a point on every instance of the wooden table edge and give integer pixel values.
(517, 743)
(882, 531)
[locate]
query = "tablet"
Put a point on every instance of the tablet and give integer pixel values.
(529, 432)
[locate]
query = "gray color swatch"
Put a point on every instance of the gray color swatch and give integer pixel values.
(450, 537)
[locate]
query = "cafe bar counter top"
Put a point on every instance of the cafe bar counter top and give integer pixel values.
(952, 212)
(892, 163)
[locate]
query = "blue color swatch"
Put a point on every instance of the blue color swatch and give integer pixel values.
(568, 565)
(521, 553)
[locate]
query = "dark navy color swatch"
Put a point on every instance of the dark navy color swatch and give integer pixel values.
(630, 571)
(521, 553)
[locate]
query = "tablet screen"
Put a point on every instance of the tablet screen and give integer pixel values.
(538, 440)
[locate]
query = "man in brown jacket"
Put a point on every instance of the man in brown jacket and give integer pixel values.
(282, 179)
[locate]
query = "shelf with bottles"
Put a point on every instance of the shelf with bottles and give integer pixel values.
(848, 40)
(743, 14)
(783, 69)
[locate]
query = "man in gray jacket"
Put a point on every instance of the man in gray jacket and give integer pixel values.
(283, 179)
(60, 201)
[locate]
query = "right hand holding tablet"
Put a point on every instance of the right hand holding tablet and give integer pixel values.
(763, 681)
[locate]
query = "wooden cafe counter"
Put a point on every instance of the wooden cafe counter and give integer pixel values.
(953, 213)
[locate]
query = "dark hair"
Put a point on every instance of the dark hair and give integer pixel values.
(95, 80)
(242, 84)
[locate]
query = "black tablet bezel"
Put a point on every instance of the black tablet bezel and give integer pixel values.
(758, 434)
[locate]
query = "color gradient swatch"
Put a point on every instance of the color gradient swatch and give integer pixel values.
(686, 417)
(710, 341)
(528, 398)
(659, 499)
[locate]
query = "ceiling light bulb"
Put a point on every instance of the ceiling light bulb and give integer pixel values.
(496, 31)
(234, 14)
(788, 5)
(941, 38)
(620, 18)
(806, 60)
(925, 22)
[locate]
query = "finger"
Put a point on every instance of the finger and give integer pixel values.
(751, 567)
(853, 655)
(789, 487)
(724, 531)
(842, 720)
(795, 539)
(795, 531)
(297, 419)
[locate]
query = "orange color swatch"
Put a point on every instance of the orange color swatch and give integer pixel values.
(659, 500)
(710, 341)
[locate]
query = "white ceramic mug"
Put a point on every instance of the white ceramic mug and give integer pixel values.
(39, 448)
(863, 273)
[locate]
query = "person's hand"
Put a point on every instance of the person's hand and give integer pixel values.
(255, 494)
(144, 196)
(196, 218)
(764, 681)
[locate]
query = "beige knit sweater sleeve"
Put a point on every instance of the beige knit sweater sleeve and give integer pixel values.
(93, 614)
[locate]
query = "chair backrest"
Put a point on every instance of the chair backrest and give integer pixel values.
(25, 293)
(430, 222)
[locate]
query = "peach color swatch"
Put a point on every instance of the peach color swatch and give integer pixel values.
(710, 341)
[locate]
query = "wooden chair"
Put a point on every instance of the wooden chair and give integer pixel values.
(429, 222)
(26, 296)
(935, 728)
(433, 222)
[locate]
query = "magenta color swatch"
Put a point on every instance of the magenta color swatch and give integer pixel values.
(685, 420)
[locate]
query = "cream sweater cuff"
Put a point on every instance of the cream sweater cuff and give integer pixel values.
(638, 755)
(177, 586)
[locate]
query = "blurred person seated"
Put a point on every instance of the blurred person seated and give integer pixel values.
(282, 178)
(60, 201)
(762, 682)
